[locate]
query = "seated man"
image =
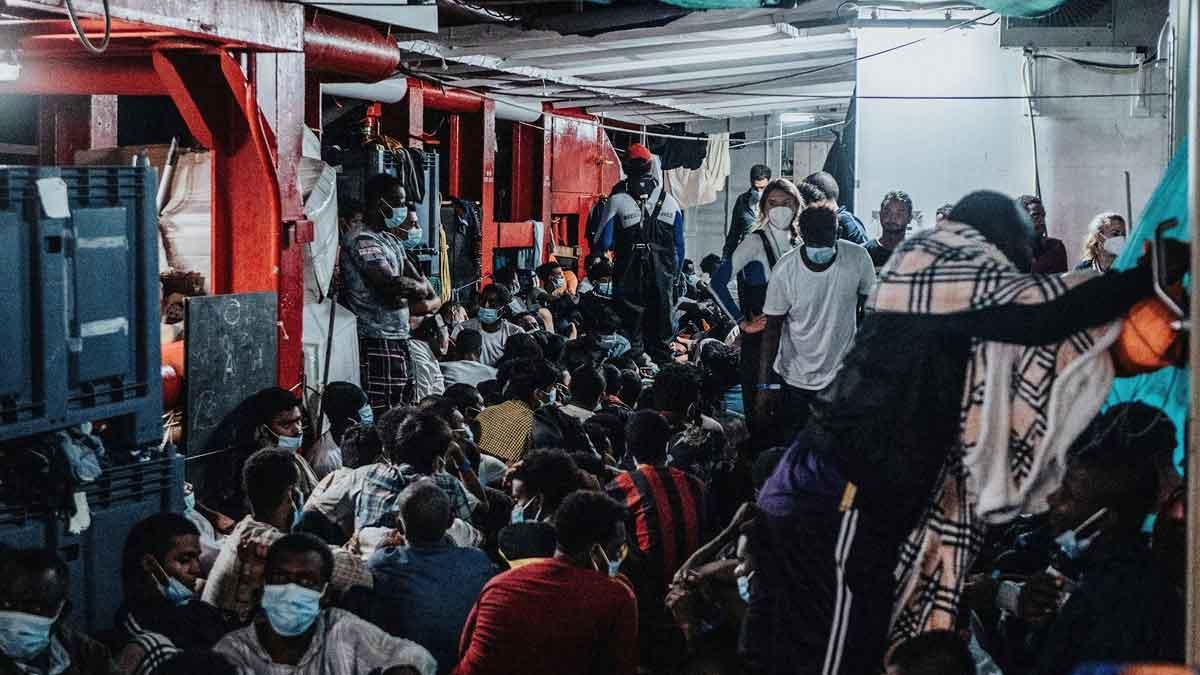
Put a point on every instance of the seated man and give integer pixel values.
(160, 569)
(467, 368)
(429, 585)
(237, 576)
(526, 542)
(34, 639)
(586, 621)
(506, 429)
(416, 448)
(587, 388)
(1108, 604)
(494, 304)
(294, 634)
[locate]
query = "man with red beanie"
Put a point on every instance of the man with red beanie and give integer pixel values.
(643, 227)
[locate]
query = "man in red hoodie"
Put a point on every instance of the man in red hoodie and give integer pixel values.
(567, 614)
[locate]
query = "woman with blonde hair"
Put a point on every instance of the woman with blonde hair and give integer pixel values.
(776, 232)
(1106, 239)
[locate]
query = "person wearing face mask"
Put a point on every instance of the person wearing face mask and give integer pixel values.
(553, 280)
(850, 227)
(1106, 240)
(644, 229)
(587, 615)
(294, 630)
(812, 307)
(746, 210)
(895, 215)
(863, 489)
(383, 287)
(752, 263)
(160, 568)
(540, 483)
(1100, 600)
(668, 526)
(490, 321)
(271, 480)
(34, 639)
(506, 429)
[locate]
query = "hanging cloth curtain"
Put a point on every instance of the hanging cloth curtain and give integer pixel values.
(1166, 389)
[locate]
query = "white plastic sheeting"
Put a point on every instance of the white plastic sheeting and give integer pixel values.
(344, 365)
(318, 185)
(185, 225)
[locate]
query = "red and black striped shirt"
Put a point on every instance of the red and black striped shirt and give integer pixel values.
(667, 506)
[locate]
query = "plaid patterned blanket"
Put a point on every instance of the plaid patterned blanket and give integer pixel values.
(951, 269)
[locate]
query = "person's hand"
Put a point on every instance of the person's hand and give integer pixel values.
(1178, 260)
(393, 539)
(755, 325)
(1038, 602)
(456, 458)
(222, 523)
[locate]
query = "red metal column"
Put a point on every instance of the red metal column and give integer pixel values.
(281, 96)
(456, 155)
(487, 194)
(70, 123)
(524, 181)
(547, 165)
(220, 107)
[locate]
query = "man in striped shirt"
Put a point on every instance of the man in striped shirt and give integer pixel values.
(666, 526)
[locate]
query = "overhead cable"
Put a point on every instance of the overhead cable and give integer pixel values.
(83, 38)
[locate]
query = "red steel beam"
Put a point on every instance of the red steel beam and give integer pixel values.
(120, 75)
(336, 45)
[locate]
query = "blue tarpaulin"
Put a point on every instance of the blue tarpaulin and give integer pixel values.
(1166, 389)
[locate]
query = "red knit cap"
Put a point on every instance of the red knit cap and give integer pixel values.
(639, 151)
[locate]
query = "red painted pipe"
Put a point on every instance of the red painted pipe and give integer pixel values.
(447, 99)
(350, 48)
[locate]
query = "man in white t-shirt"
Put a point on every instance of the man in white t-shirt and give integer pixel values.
(813, 302)
(467, 368)
(494, 330)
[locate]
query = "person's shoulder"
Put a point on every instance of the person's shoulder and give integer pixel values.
(234, 641)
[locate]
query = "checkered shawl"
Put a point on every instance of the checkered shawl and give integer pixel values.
(952, 269)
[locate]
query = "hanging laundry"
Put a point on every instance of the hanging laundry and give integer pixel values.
(676, 152)
(701, 186)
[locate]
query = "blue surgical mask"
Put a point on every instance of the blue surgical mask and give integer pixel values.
(488, 315)
(518, 512)
(557, 283)
(366, 415)
(693, 279)
(820, 254)
(291, 609)
(743, 584)
(189, 502)
(24, 636)
(613, 566)
(399, 215)
(552, 396)
(415, 237)
(515, 306)
(174, 591)
(604, 289)
(287, 442)
(467, 433)
(1069, 542)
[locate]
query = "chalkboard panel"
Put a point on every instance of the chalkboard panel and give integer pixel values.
(230, 355)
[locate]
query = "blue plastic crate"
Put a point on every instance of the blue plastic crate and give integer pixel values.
(121, 497)
(79, 300)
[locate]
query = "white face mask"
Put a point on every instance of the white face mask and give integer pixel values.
(781, 217)
(1114, 245)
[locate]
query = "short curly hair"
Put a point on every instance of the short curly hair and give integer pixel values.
(586, 518)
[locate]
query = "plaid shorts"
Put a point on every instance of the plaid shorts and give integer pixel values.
(386, 369)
